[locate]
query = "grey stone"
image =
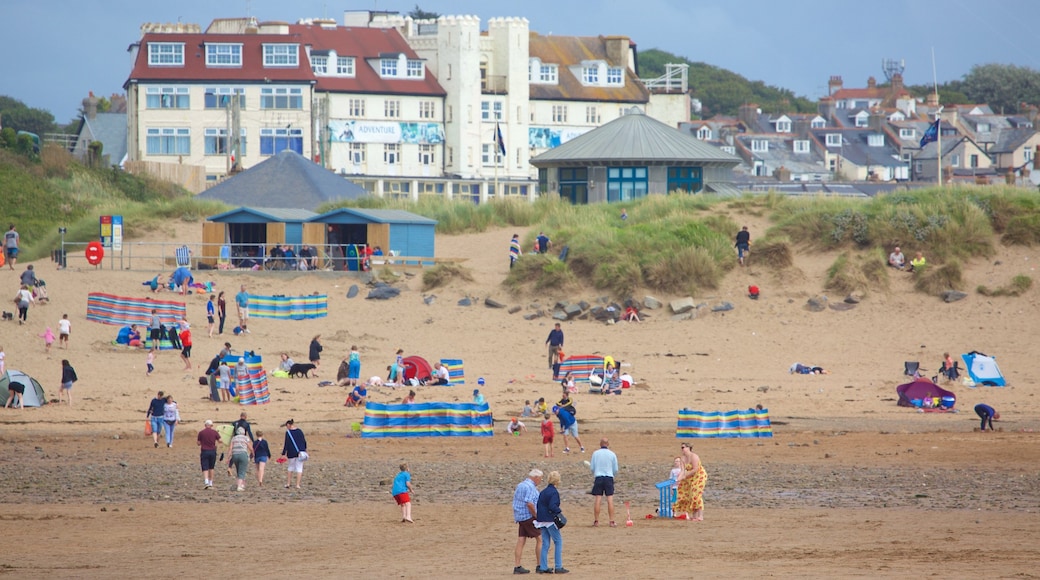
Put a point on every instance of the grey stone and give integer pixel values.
(854, 298)
(584, 305)
(842, 306)
(572, 310)
(651, 303)
(515, 309)
(383, 292)
(953, 295)
(724, 307)
(690, 315)
(353, 291)
(533, 315)
(816, 304)
(466, 302)
(682, 305)
(559, 315)
(430, 299)
(492, 303)
(561, 305)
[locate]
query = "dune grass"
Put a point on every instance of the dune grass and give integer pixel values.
(1017, 287)
(442, 274)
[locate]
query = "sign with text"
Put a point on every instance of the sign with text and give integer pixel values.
(112, 232)
(385, 132)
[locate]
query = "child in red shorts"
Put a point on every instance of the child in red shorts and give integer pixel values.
(401, 491)
(547, 435)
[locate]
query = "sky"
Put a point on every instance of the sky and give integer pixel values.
(56, 51)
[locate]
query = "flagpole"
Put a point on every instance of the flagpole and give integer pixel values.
(938, 123)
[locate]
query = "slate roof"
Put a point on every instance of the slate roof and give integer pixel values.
(635, 137)
(568, 51)
(110, 130)
(286, 180)
(364, 44)
(855, 149)
(781, 153)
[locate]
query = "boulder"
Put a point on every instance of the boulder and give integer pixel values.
(515, 309)
(724, 307)
(561, 305)
(953, 296)
(429, 299)
(533, 315)
(651, 303)
(353, 291)
(682, 305)
(492, 303)
(383, 292)
(854, 298)
(572, 310)
(466, 302)
(584, 305)
(559, 315)
(689, 315)
(842, 306)
(816, 304)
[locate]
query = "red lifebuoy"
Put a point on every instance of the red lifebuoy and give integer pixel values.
(95, 252)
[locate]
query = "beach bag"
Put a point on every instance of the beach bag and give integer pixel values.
(304, 456)
(147, 427)
(560, 520)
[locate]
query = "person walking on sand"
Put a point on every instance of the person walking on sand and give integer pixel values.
(315, 353)
(261, 453)
(207, 440)
(68, 376)
(23, 299)
(548, 431)
(604, 466)
(555, 342)
(568, 426)
(221, 311)
(171, 418)
(185, 337)
(48, 339)
(690, 502)
(525, 508)
(242, 302)
(241, 453)
(11, 241)
(64, 330)
(743, 244)
(155, 416)
(402, 490)
(988, 416)
(211, 313)
(295, 450)
(514, 250)
(548, 511)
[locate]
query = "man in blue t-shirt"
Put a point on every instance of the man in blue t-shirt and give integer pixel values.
(242, 301)
(544, 243)
(568, 426)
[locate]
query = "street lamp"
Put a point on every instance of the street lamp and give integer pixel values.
(61, 255)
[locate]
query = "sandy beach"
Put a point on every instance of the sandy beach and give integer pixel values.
(849, 485)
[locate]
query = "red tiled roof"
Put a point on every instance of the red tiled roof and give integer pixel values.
(362, 44)
(195, 68)
(875, 93)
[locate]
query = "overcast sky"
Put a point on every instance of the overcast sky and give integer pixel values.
(58, 50)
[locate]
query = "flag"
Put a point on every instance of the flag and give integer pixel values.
(499, 140)
(931, 134)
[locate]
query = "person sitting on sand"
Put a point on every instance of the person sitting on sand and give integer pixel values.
(631, 314)
(357, 397)
(800, 369)
(516, 427)
(917, 263)
(896, 259)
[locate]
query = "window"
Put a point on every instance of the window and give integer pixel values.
(833, 139)
(356, 152)
(281, 55)
(392, 109)
(801, 146)
(388, 67)
(223, 54)
(165, 54)
(729, 149)
(168, 141)
(783, 126)
(548, 73)
(559, 113)
(704, 133)
(590, 75)
(391, 153)
(273, 141)
(216, 142)
(426, 154)
(281, 98)
(759, 145)
(907, 133)
(982, 128)
(356, 107)
(167, 98)
(875, 140)
(688, 179)
(1027, 154)
(427, 109)
(220, 97)
(615, 76)
(414, 69)
(592, 115)
(918, 167)
(319, 64)
(862, 120)
(491, 110)
(490, 155)
(626, 183)
(345, 66)
(955, 160)
(818, 123)
(974, 161)
(574, 184)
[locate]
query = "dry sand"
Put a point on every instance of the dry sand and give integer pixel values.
(850, 484)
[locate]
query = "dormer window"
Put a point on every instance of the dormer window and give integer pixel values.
(414, 69)
(540, 73)
(801, 146)
(983, 128)
(165, 54)
(319, 64)
(875, 140)
(862, 119)
(223, 54)
(704, 133)
(590, 75)
(759, 145)
(281, 55)
(783, 127)
(615, 76)
(907, 133)
(818, 123)
(345, 66)
(388, 67)
(833, 139)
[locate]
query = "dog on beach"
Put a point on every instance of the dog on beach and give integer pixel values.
(301, 370)
(8, 315)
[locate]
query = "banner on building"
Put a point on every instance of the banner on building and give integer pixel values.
(385, 132)
(547, 138)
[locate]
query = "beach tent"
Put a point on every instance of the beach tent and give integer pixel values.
(32, 396)
(983, 369)
(921, 389)
(416, 367)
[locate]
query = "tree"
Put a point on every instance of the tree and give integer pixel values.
(1002, 86)
(18, 116)
(420, 14)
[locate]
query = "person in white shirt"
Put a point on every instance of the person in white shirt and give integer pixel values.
(441, 375)
(64, 329)
(896, 259)
(516, 427)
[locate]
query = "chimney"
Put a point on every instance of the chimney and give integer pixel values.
(617, 50)
(801, 126)
(834, 85)
(826, 109)
(1036, 159)
(871, 83)
(877, 120)
(932, 100)
(90, 106)
(782, 174)
(897, 83)
(748, 114)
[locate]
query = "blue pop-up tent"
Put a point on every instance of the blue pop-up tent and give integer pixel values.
(983, 369)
